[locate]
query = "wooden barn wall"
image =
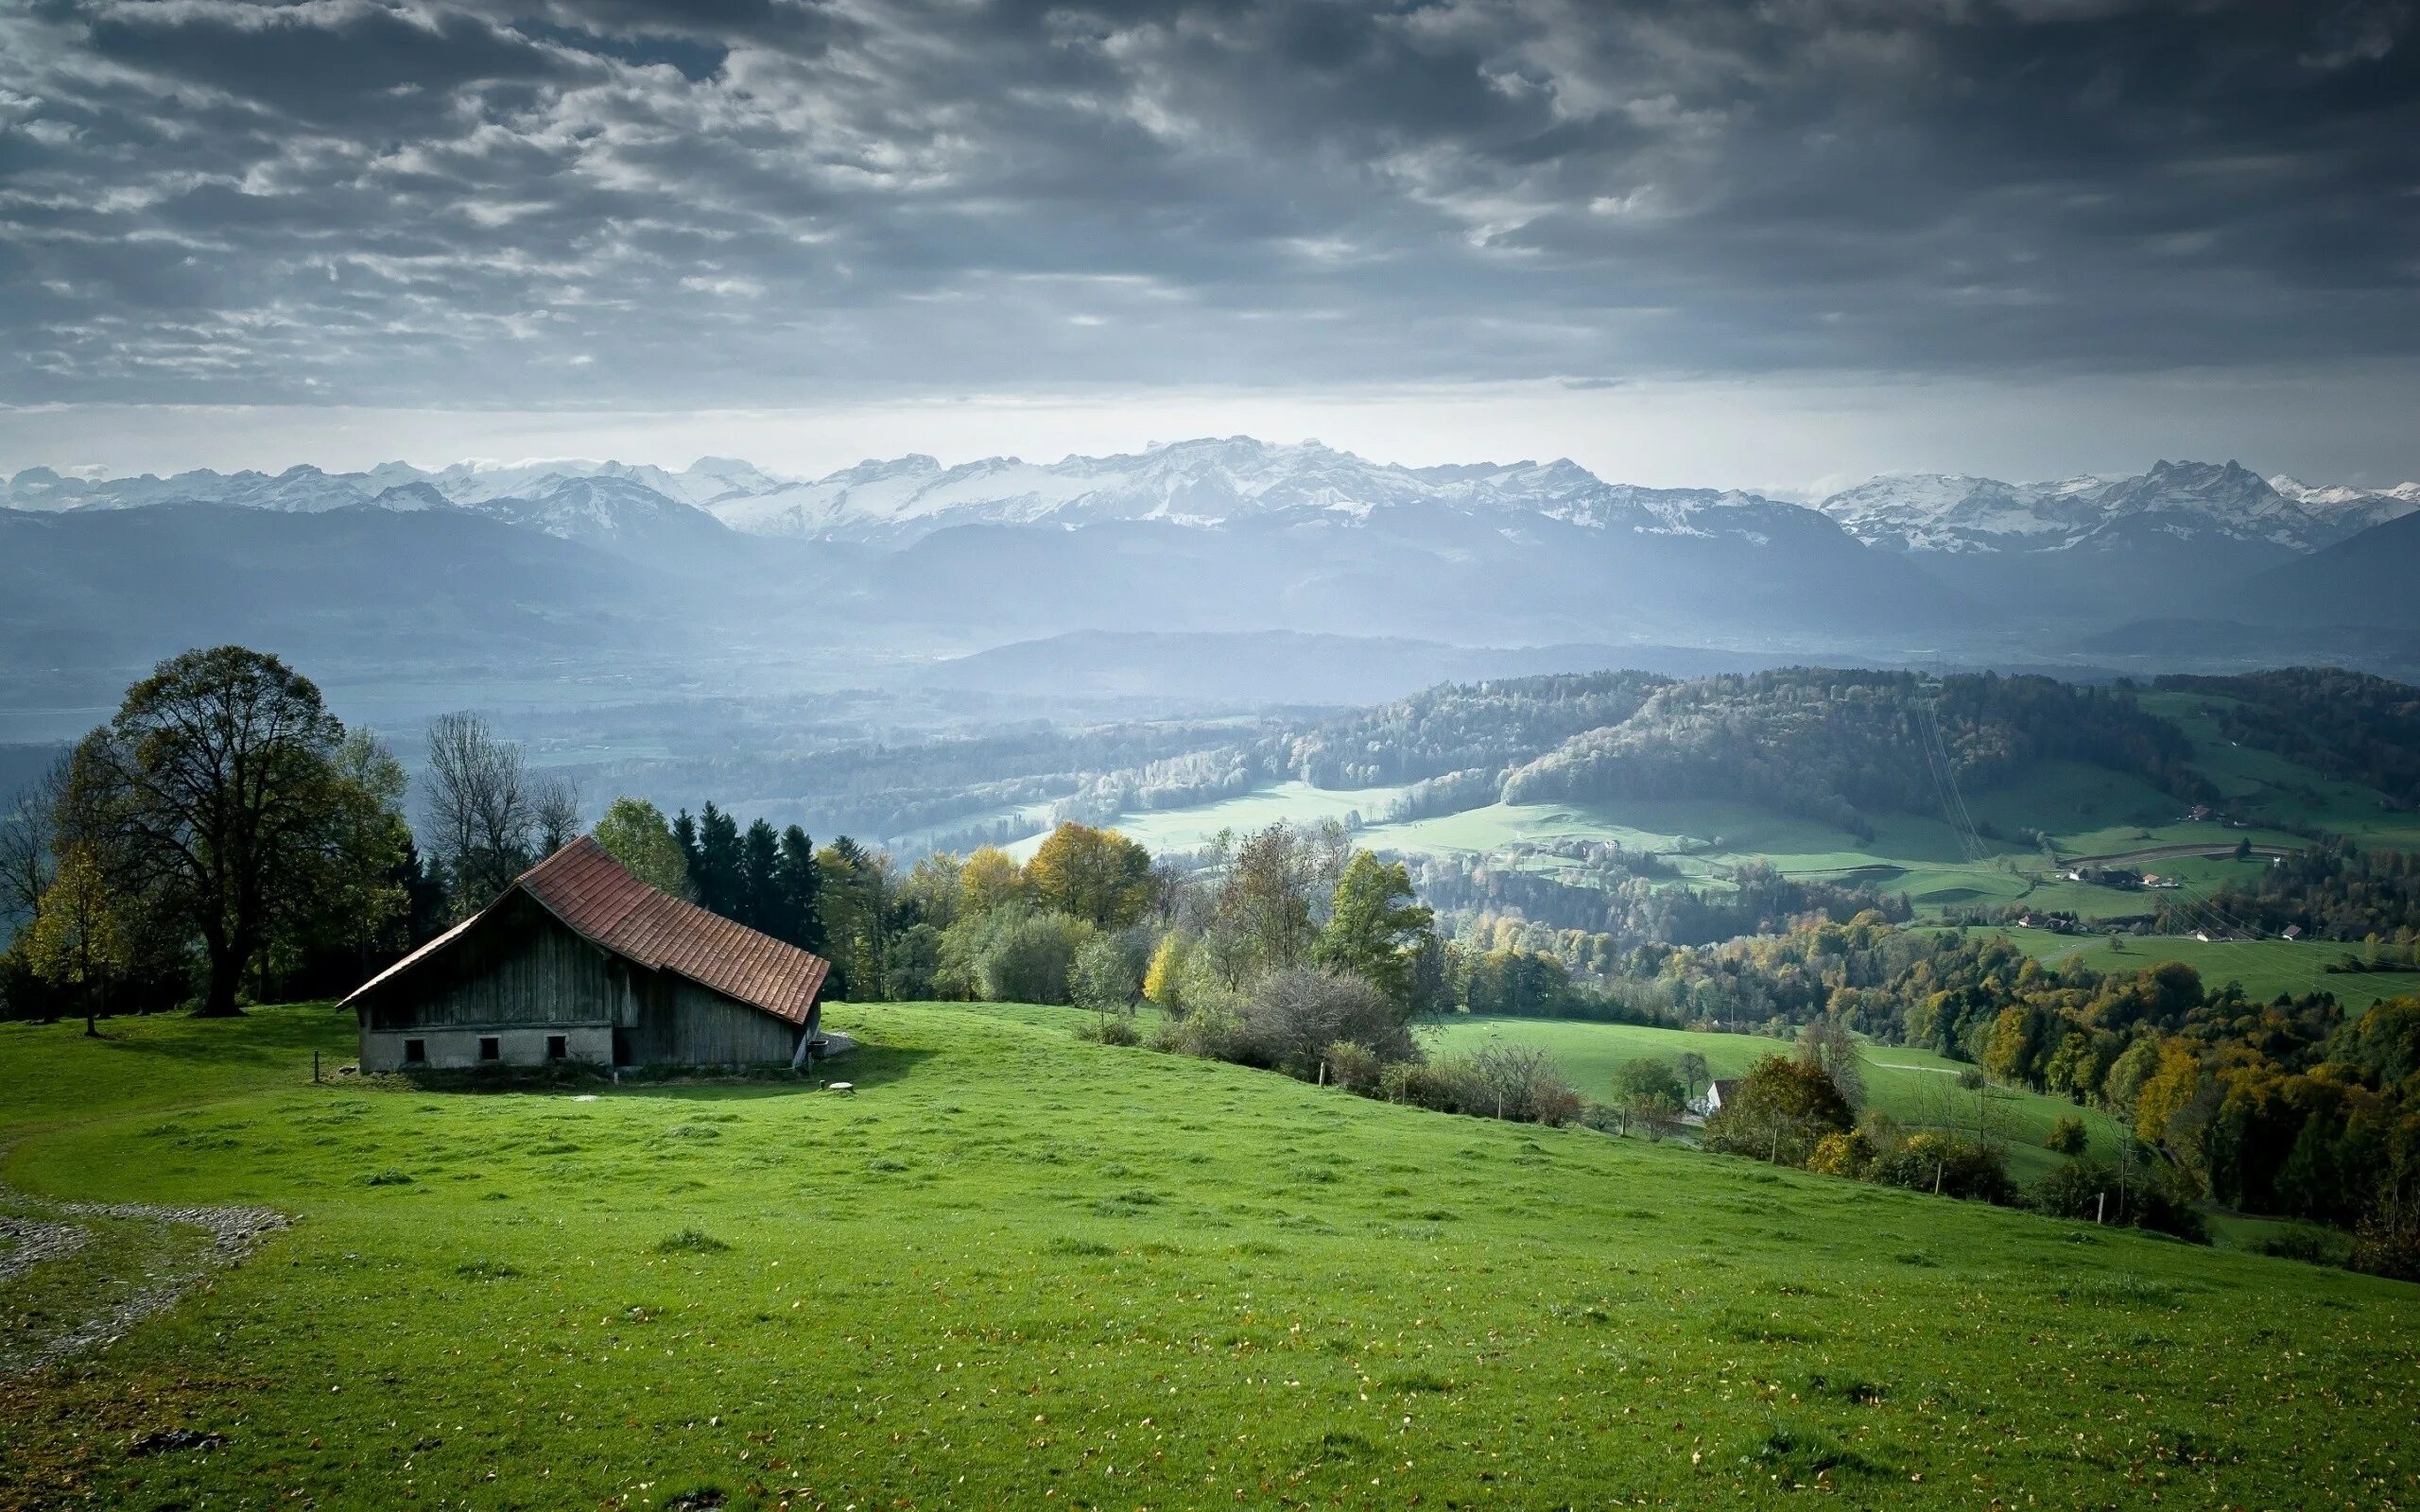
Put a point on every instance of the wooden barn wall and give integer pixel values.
(521, 966)
(680, 1023)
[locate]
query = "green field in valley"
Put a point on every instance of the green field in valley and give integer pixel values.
(1014, 1269)
(2266, 967)
(2091, 815)
(1916, 1086)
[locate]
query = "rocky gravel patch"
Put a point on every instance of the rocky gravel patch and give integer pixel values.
(233, 1233)
(35, 1241)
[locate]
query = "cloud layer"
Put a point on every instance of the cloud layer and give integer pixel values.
(734, 202)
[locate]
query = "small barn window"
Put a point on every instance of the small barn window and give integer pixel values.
(415, 1052)
(490, 1048)
(558, 1047)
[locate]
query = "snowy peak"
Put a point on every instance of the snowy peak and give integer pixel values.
(2348, 508)
(2215, 501)
(1234, 482)
(1215, 482)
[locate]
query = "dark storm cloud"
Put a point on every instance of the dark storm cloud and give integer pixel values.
(774, 202)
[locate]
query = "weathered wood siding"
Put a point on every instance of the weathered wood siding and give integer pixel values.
(680, 1023)
(519, 966)
(521, 972)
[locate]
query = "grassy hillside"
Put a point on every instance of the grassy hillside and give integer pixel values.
(2264, 784)
(2265, 967)
(1014, 1269)
(1916, 1086)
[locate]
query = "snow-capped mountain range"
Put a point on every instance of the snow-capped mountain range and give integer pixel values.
(1204, 484)
(1210, 483)
(1929, 513)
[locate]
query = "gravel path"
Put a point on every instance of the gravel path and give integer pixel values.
(37, 1239)
(233, 1232)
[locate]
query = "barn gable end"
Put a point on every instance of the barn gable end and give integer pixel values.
(579, 961)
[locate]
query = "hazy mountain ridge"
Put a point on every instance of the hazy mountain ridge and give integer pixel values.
(1237, 535)
(1213, 482)
(1927, 513)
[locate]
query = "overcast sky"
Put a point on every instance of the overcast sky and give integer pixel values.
(1682, 241)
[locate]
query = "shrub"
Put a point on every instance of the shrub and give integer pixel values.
(1844, 1153)
(2384, 1248)
(2067, 1136)
(2086, 1190)
(1510, 1081)
(2300, 1244)
(1296, 1013)
(1353, 1066)
(1418, 1084)
(1027, 957)
(1214, 1034)
(1951, 1166)
(1113, 1029)
(1555, 1103)
(1779, 1111)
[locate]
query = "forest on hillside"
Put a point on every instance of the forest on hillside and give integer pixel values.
(1837, 746)
(2350, 726)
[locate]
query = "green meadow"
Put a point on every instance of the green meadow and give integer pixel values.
(1916, 1086)
(2264, 968)
(1014, 1269)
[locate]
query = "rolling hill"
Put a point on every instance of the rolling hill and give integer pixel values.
(1019, 1262)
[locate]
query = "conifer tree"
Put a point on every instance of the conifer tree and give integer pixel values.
(799, 882)
(759, 901)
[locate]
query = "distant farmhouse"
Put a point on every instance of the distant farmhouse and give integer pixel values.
(1718, 1091)
(580, 961)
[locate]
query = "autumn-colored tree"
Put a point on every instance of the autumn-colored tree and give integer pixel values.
(76, 941)
(990, 879)
(1095, 875)
(2167, 1092)
(1779, 1111)
(1164, 982)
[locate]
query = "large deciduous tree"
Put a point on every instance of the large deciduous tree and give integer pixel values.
(215, 791)
(1095, 875)
(482, 807)
(1376, 928)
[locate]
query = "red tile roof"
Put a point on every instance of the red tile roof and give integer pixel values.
(599, 899)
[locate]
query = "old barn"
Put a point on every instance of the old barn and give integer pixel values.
(580, 961)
